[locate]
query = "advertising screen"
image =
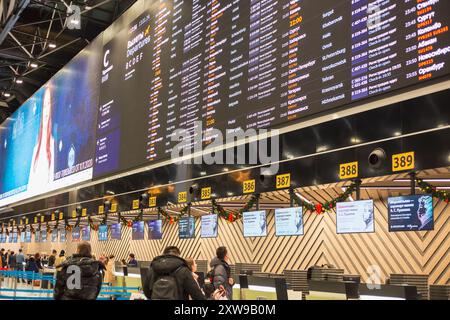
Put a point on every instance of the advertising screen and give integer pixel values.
(103, 232)
(51, 136)
(289, 222)
(28, 236)
(76, 234)
(22, 237)
(14, 237)
(44, 235)
(255, 224)
(116, 231)
(411, 213)
(138, 230)
(37, 236)
(55, 235)
(355, 217)
(155, 229)
(62, 235)
(209, 227)
(186, 228)
(86, 233)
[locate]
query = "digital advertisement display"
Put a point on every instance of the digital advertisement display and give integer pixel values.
(155, 229)
(355, 217)
(86, 233)
(255, 224)
(28, 236)
(37, 236)
(209, 227)
(22, 237)
(76, 234)
(44, 235)
(116, 231)
(137, 232)
(411, 213)
(14, 237)
(62, 235)
(50, 137)
(2, 238)
(103, 232)
(289, 221)
(186, 228)
(55, 235)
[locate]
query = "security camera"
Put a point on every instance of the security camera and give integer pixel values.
(376, 158)
(193, 188)
(143, 200)
(107, 205)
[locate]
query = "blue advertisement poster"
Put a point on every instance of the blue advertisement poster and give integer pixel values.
(55, 235)
(103, 233)
(186, 228)
(44, 235)
(62, 235)
(411, 213)
(28, 236)
(116, 231)
(155, 230)
(209, 226)
(138, 231)
(255, 224)
(76, 234)
(289, 222)
(86, 233)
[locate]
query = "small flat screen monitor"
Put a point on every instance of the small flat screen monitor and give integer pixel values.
(155, 229)
(103, 232)
(86, 233)
(76, 234)
(255, 224)
(289, 222)
(116, 231)
(355, 217)
(186, 228)
(411, 213)
(209, 227)
(137, 232)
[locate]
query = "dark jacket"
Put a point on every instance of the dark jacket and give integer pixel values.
(90, 284)
(222, 272)
(51, 261)
(12, 262)
(32, 265)
(166, 265)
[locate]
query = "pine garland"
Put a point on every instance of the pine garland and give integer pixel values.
(428, 188)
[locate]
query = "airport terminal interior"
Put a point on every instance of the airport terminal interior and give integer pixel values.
(237, 150)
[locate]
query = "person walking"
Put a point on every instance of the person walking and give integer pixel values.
(88, 270)
(110, 266)
(170, 278)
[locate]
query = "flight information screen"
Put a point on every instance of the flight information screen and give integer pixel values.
(256, 64)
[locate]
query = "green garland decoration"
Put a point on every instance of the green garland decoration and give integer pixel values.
(430, 189)
(230, 216)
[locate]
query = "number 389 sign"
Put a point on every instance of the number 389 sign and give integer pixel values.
(403, 161)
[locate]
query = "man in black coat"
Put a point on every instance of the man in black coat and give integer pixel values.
(80, 277)
(171, 264)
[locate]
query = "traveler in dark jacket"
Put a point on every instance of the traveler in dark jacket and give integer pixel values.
(12, 260)
(84, 266)
(222, 272)
(171, 264)
(34, 264)
(52, 259)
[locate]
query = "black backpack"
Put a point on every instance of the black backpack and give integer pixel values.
(166, 287)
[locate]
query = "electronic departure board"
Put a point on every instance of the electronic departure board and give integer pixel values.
(201, 65)
(256, 64)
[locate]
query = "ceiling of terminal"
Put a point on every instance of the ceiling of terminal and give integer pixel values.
(38, 37)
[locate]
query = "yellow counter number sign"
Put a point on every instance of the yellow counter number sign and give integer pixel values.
(113, 207)
(61, 216)
(206, 193)
(249, 186)
(135, 204)
(182, 197)
(403, 161)
(283, 181)
(152, 202)
(348, 170)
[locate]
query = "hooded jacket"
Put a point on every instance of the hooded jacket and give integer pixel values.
(90, 283)
(222, 272)
(176, 266)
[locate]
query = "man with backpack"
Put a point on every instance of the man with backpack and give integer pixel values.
(80, 277)
(220, 274)
(170, 278)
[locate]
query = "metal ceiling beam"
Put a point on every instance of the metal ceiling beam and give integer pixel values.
(21, 46)
(13, 19)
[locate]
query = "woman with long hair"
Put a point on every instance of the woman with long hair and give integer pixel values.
(42, 164)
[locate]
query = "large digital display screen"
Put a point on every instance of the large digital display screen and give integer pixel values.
(289, 222)
(55, 235)
(22, 237)
(411, 213)
(186, 228)
(44, 235)
(103, 232)
(355, 217)
(210, 225)
(28, 236)
(223, 65)
(137, 232)
(155, 229)
(255, 224)
(62, 235)
(116, 231)
(51, 136)
(256, 64)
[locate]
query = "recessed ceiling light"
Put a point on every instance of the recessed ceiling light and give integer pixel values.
(7, 94)
(19, 81)
(52, 45)
(33, 65)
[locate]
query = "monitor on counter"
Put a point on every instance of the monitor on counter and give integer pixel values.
(255, 224)
(355, 217)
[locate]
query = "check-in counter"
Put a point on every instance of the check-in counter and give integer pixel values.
(331, 290)
(387, 292)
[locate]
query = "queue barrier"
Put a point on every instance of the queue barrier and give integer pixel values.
(106, 293)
